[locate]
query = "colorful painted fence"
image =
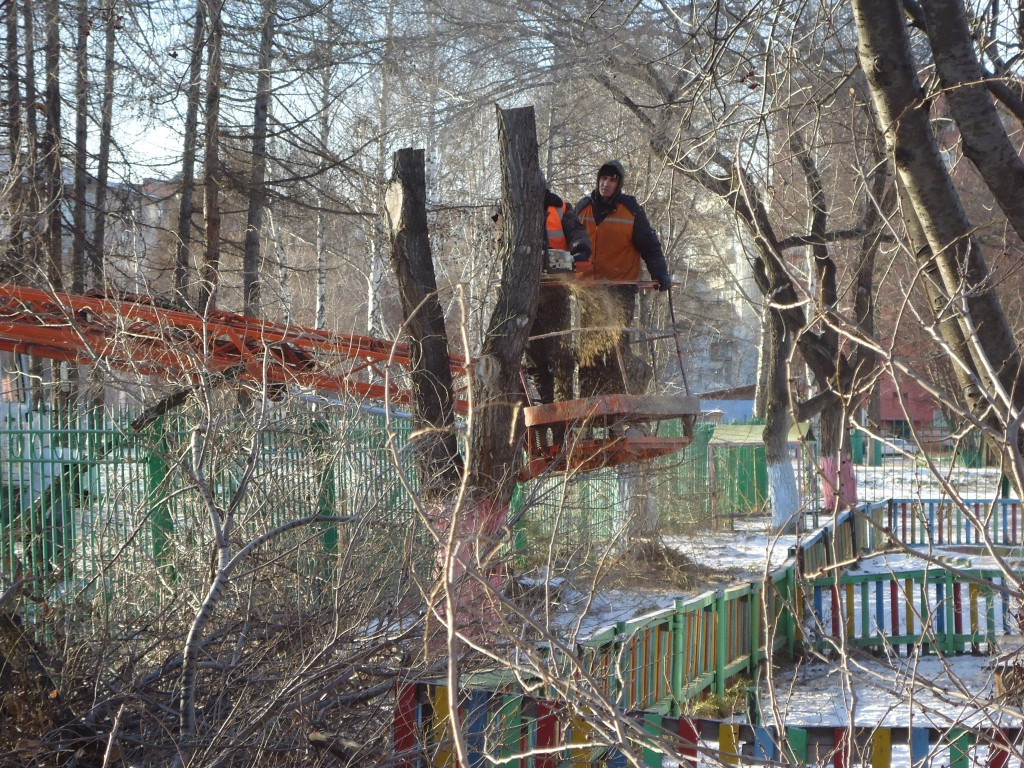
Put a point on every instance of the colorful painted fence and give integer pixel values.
(649, 669)
(665, 659)
(530, 732)
(940, 521)
(853, 534)
(939, 609)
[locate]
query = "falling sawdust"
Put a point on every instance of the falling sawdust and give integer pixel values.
(601, 320)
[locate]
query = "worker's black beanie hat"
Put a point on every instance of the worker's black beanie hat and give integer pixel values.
(613, 168)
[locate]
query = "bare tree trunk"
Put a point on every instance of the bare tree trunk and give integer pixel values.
(762, 386)
(782, 488)
(79, 243)
(34, 162)
(865, 360)
(839, 483)
(19, 173)
(374, 313)
(211, 159)
(320, 311)
(440, 467)
(966, 375)
(282, 268)
(963, 82)
(496, 436)
(471, 529)
(257, 179)
(34, 200)
(188, 157)
(52, 151)
(636, 497)
(885, 56)
(103, 164)
(13, 89)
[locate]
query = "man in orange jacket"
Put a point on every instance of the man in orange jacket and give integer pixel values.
(549, 359)
(621, 237)
(620, 234)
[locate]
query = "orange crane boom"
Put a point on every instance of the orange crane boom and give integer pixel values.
(131, 332)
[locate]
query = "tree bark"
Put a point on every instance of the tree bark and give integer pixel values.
(377, 235)
(966, 375)
(884, 52)
(188, 158)
(283, 269)
(984, 138)
(211, 159)
(437, 449)
(258, 176)
(35, 268)
(19, 173)
(320, 308)
(495, 436)
(51, 151)
(79, 242)
(778, 346)
(470, 525)
(762, 387)
(106, 127)
(835, 460)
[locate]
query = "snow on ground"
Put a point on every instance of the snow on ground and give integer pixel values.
(584, 613)
(894, 691)
(911, 477)
(747, 551)
(879, 691)
(735, 556)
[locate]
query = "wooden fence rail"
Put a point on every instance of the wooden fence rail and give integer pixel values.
(936, 608)
(664, 659)
(918, 522)
(528, 732)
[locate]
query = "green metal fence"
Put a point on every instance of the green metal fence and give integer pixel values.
(89, 506)
(86, 503)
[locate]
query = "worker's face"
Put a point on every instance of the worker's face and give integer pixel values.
(606, 185)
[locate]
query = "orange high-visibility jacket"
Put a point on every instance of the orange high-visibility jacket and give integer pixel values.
(614, 256)
(556, 237)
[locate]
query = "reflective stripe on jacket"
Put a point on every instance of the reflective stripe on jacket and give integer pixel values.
(614, 255)
(556, 237)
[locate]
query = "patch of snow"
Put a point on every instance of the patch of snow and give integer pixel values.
(928, 691)
(901, 478)
(746, 551)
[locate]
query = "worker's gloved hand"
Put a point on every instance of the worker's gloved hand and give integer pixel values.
(664, 282)
(580, 255)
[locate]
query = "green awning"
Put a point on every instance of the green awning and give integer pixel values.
(751, 434)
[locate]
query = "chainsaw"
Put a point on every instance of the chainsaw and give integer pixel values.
(557, 262)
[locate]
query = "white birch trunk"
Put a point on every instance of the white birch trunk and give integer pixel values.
(783, 495)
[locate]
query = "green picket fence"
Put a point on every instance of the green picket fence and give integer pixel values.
(88, 505)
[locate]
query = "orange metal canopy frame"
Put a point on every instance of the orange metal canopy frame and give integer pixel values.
(616, 418)
(130, 332)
